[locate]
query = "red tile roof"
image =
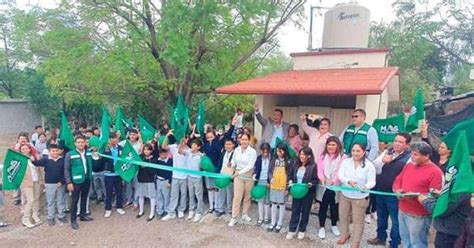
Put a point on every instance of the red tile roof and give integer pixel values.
(340, 52)
(354, 81)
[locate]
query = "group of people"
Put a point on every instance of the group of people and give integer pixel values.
(323, 160)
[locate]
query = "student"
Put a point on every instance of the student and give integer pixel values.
(261, 175)
(113, 182)
(54, 184)
(278, 175)
(78, 176)
(303, 170)
(195, 188)
(243, 161)
(146, 183)
(328, 165)
(30, 187)
(41, 143)
(130, 187)
(38, 130)
(163, 183)
(356, 171)
(98, 182)
(212, 147)
(179, 182)
(224, 199)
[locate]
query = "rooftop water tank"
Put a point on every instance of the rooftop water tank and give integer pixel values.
(346, 25)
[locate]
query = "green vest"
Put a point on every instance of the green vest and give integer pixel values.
(351, 137)
(78, 174)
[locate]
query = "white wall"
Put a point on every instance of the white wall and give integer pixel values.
(363, 60)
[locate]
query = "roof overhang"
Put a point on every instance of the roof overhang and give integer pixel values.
(347, 81)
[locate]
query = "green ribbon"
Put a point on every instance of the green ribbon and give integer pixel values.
(376, 192)
(168, 168)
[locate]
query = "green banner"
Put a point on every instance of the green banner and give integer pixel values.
(14, 170)
(388, 128)
(126, 168)
(65, 133)
(417, 112)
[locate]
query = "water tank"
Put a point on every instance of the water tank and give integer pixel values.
(346, 25)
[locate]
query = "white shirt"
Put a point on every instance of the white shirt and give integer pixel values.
(179, 161)
(244, 161)
(84, 160)
(264, 171)
(365, 177)
(226, 160)
(193, 162)
(34, 172)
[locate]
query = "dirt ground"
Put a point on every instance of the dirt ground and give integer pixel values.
(127, 231)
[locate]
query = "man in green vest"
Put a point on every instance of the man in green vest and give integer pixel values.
(362, 133)
(78, 176)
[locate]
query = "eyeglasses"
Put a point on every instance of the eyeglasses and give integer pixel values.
(355, 116)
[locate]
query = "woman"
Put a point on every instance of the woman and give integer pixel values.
(440, 157)
(31, 189)
(302, 171)
(41, 143)
(317, 137)
(357, 172)
(328, 167)
(243, 162)
(294, 138)
(253, 139)
(262, 168)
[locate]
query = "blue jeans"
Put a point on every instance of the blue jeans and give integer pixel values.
(387, 206)
(414, 230)
(113, 187)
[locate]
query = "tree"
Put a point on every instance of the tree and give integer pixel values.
(149, 52)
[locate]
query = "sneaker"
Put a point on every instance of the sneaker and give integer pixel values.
(62, 220)
(190, 215)
(197, 217)
(211, 210)
(376, 241)
(36, 219)
(28, 224)
(300, 235)
(180, 215)
(290, 235)
(259, 222)
(168, 217)
(335, 230)
(107, 214)
(51, 222)
(232, 222)
(120, 211)
(246, 218)
(322, 233)
(367, 218)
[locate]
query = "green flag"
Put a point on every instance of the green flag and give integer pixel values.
(417, 112)
(200, 119)
(388, 128)
(104, 129)
(65, 133)
(14, 170)
(146, 129)
(458, 177)
(180, 119)
(451, 137)
(119, 124)
(127, 171)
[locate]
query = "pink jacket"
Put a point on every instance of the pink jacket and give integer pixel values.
(320, 163)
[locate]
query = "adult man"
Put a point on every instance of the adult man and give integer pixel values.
(78, 176)
(388, 166)
(273, 128)
(34, 137)
(419, 176)
(362, 133)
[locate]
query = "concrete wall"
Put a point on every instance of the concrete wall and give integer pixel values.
(363, 60)
(17, 116)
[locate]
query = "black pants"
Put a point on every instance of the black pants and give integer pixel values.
(372, 207)
(113, 184)
(443, 240)
(300, 210)
(80, 190)
(328, 201)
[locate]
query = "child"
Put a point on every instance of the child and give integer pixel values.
(30, 187)
(224, 199)
(113, 182)
(278, 184)
(195, 188)
(54, 184)
(179, 182)
(146, 183)
(163, 183)
(239, 116)
(262, 168)
(130, 187)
